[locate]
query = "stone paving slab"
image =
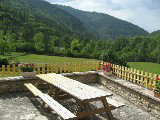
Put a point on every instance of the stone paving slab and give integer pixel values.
(22, 106)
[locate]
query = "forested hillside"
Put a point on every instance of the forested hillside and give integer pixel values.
(105, 26)
(155, 32)
(36, 26)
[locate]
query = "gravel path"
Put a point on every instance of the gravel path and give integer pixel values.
(22, 106)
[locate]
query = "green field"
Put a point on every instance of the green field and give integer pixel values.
(146, 66)
(43, 59)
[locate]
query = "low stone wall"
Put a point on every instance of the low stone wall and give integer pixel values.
(16, 84)
(136, 94)
(84, 77)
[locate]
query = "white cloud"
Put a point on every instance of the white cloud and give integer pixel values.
(144, 13)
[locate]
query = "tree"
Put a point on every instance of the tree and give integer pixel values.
(39, 42)
(75, 47)
(5, 47)
(86, 51)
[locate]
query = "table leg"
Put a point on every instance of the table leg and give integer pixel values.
(109, 113)
(38, 83)
(78, 108)
(50, 91)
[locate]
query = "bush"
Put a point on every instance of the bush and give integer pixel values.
(111, 57)
(4, 61)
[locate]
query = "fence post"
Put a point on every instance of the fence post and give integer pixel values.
(3, 70)
(38, 69)
(142, 78)
(8, 70)
(19, 70)
(14, 70)
(68, 67)
(138, 78)
(150, 80)
(154, 81)
(134, 74)
(126, 72)
(47, 68)
(146, 79)
(64, 67)
(52, 68)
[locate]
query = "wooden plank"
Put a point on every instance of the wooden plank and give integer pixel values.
(38, 69)
(14, 70)
(114, 103)
(104, 101)
(82, 91)
(8, 70)
(58, 108)
(3, 70)
(33, 89)
(19, 70)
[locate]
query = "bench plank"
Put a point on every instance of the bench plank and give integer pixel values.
(33, 89)
(113, 103)
(54, 105)
(62, 111)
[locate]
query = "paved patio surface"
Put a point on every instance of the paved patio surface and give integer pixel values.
(22, 106)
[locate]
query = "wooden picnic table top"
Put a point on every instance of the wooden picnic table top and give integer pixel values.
(77, 89)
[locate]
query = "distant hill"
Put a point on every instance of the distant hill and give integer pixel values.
(104, 26)
(155, 32)
(24, 18)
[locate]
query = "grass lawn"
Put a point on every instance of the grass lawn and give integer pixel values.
(43, 59)
(146, 66)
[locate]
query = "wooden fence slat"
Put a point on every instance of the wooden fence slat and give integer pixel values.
(43, 69)
(146, 79)
(57, 68)
(3, 70)
(150, 80)
(68, 67)
(38, 69)
(52, 68)
(48, 68)
(154, 81)
(142, 78)
(138, 77)
(19, 70)
(8, 70)
(13, 70)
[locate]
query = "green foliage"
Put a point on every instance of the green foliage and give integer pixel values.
(5, 47)
(111, 57)
(36, 26)
(39, 42)
(3, 61)
(103, 26)
(27, 67)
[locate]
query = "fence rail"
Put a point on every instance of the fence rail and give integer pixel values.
(145, 79)
(13, 70)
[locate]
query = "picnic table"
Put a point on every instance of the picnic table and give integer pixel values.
(62, 88)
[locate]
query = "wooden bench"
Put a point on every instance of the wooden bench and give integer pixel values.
(113, 103)
(54, 105)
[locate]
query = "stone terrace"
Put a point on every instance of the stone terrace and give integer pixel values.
(22, 106)
(16, 103)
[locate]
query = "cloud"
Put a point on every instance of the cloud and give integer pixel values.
(144, 13)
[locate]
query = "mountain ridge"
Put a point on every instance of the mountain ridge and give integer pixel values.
(104, 25)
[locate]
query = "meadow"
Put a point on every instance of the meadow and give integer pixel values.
(45, 59)
(146, 66)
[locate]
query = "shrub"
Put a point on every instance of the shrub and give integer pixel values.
(4, 61)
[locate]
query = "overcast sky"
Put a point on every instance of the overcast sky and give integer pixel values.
(144, 13)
